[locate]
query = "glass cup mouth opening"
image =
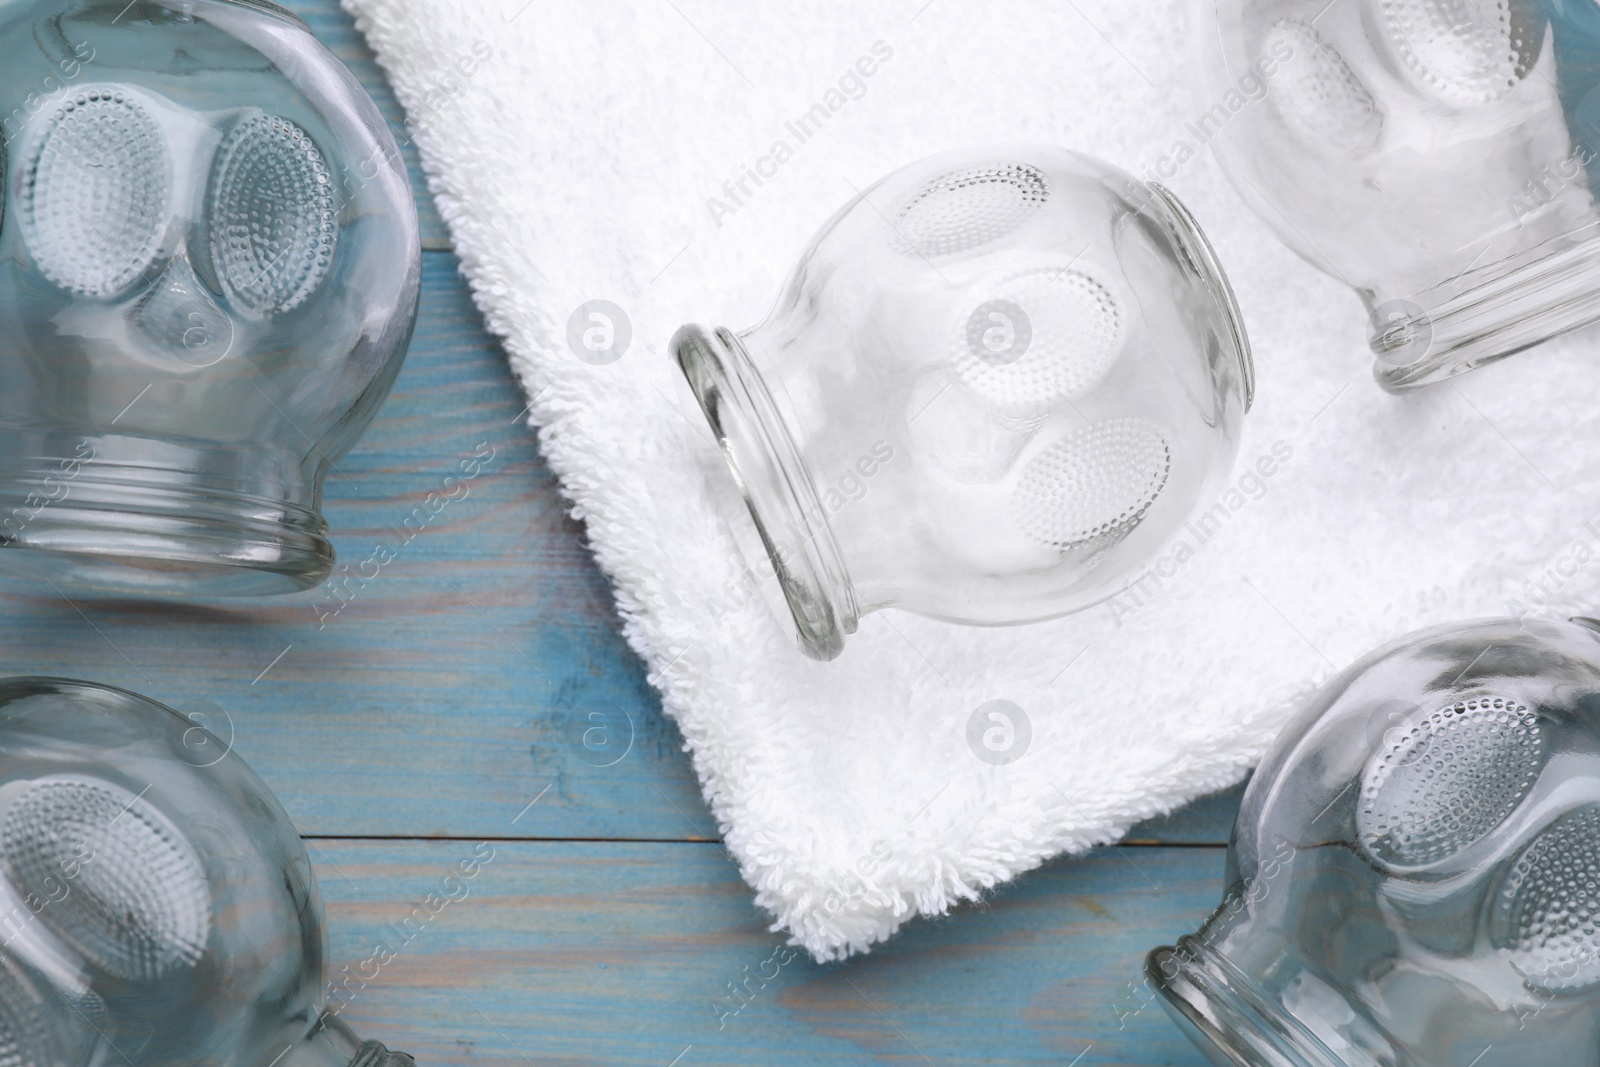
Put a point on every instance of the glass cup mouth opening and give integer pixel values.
(1226, 1015)
(85, 523)
(776, 486)
(1488, 314)
(1196, 246)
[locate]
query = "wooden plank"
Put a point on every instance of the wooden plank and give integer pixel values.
(622, 954)
(336, 30)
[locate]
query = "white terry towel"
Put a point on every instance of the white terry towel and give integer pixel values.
(580, 150)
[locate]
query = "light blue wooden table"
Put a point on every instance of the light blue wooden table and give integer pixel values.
(444, 708)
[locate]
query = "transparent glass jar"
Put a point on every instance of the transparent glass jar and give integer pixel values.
(1414, 879)
(157, 908)
(209, 268)
(995, 385)
(1436, 155)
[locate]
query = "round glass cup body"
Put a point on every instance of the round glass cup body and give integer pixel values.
(1436, 155)
(209, 269)
(1414, 878)
(158, 908)
(995, 385)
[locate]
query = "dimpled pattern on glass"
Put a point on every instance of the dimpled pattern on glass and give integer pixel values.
(140, 905)
(1437, 156)
(1547, 913)
(1443, 782)
(1473, 51)
(1098, 483)
(95, 193)
(1074, 335)
(272, 211)
(35, 1029)
(994, 387)
(159, 907)
(1318, 94)
(969, 208)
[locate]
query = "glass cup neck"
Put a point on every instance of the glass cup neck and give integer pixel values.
(1196, 248)
(1480, 316)
(776, 484)
(330, 1043)
(144, 516)
(1228, 1016)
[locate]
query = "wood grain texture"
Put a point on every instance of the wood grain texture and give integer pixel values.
(568, 954)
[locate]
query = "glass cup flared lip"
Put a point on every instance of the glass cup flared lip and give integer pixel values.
(1225, 1013)
(1205, 262)
(104, 527)
(1497, 311)
(760, 451)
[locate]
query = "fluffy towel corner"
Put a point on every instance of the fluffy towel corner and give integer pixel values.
(631, 153)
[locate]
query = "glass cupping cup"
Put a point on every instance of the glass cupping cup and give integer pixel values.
(1436, 155)
(1414, 878)
(995, 384)
(209, 269)
(157, 907)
